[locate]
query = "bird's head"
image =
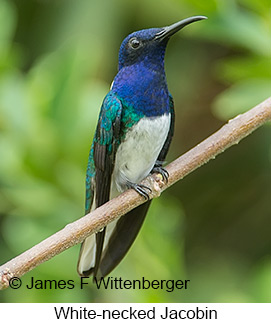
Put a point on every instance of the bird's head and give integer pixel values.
(149, 44)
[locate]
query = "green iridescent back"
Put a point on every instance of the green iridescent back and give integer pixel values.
(112, 108)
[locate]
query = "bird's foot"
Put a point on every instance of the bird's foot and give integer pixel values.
(140, 189)
(160, 170)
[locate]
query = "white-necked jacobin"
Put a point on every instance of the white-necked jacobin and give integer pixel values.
(132, 138)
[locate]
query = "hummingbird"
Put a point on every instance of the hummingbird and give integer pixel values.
(132, 138)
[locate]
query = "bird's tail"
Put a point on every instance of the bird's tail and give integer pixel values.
(87, 257)
(120, 235)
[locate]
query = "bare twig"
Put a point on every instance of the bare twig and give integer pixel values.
(230, 134)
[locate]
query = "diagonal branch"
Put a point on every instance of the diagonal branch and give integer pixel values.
(230, 134)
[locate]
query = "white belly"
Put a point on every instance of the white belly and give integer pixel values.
(138, 153)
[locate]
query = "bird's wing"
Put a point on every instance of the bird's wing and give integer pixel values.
(106, 141)
(105, 145)
(128, 226)
(100, 168)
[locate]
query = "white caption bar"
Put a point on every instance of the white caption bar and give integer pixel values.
(118, 312)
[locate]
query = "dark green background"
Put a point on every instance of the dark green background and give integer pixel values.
(57, 60)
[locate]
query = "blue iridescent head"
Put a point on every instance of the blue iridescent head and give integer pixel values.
(149, 44)
(141, 80)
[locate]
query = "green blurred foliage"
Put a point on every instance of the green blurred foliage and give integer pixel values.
(57, 60)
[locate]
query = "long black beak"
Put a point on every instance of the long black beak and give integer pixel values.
(168, 31)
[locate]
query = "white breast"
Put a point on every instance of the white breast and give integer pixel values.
(138, 153)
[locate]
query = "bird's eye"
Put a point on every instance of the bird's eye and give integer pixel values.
(134, 43)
